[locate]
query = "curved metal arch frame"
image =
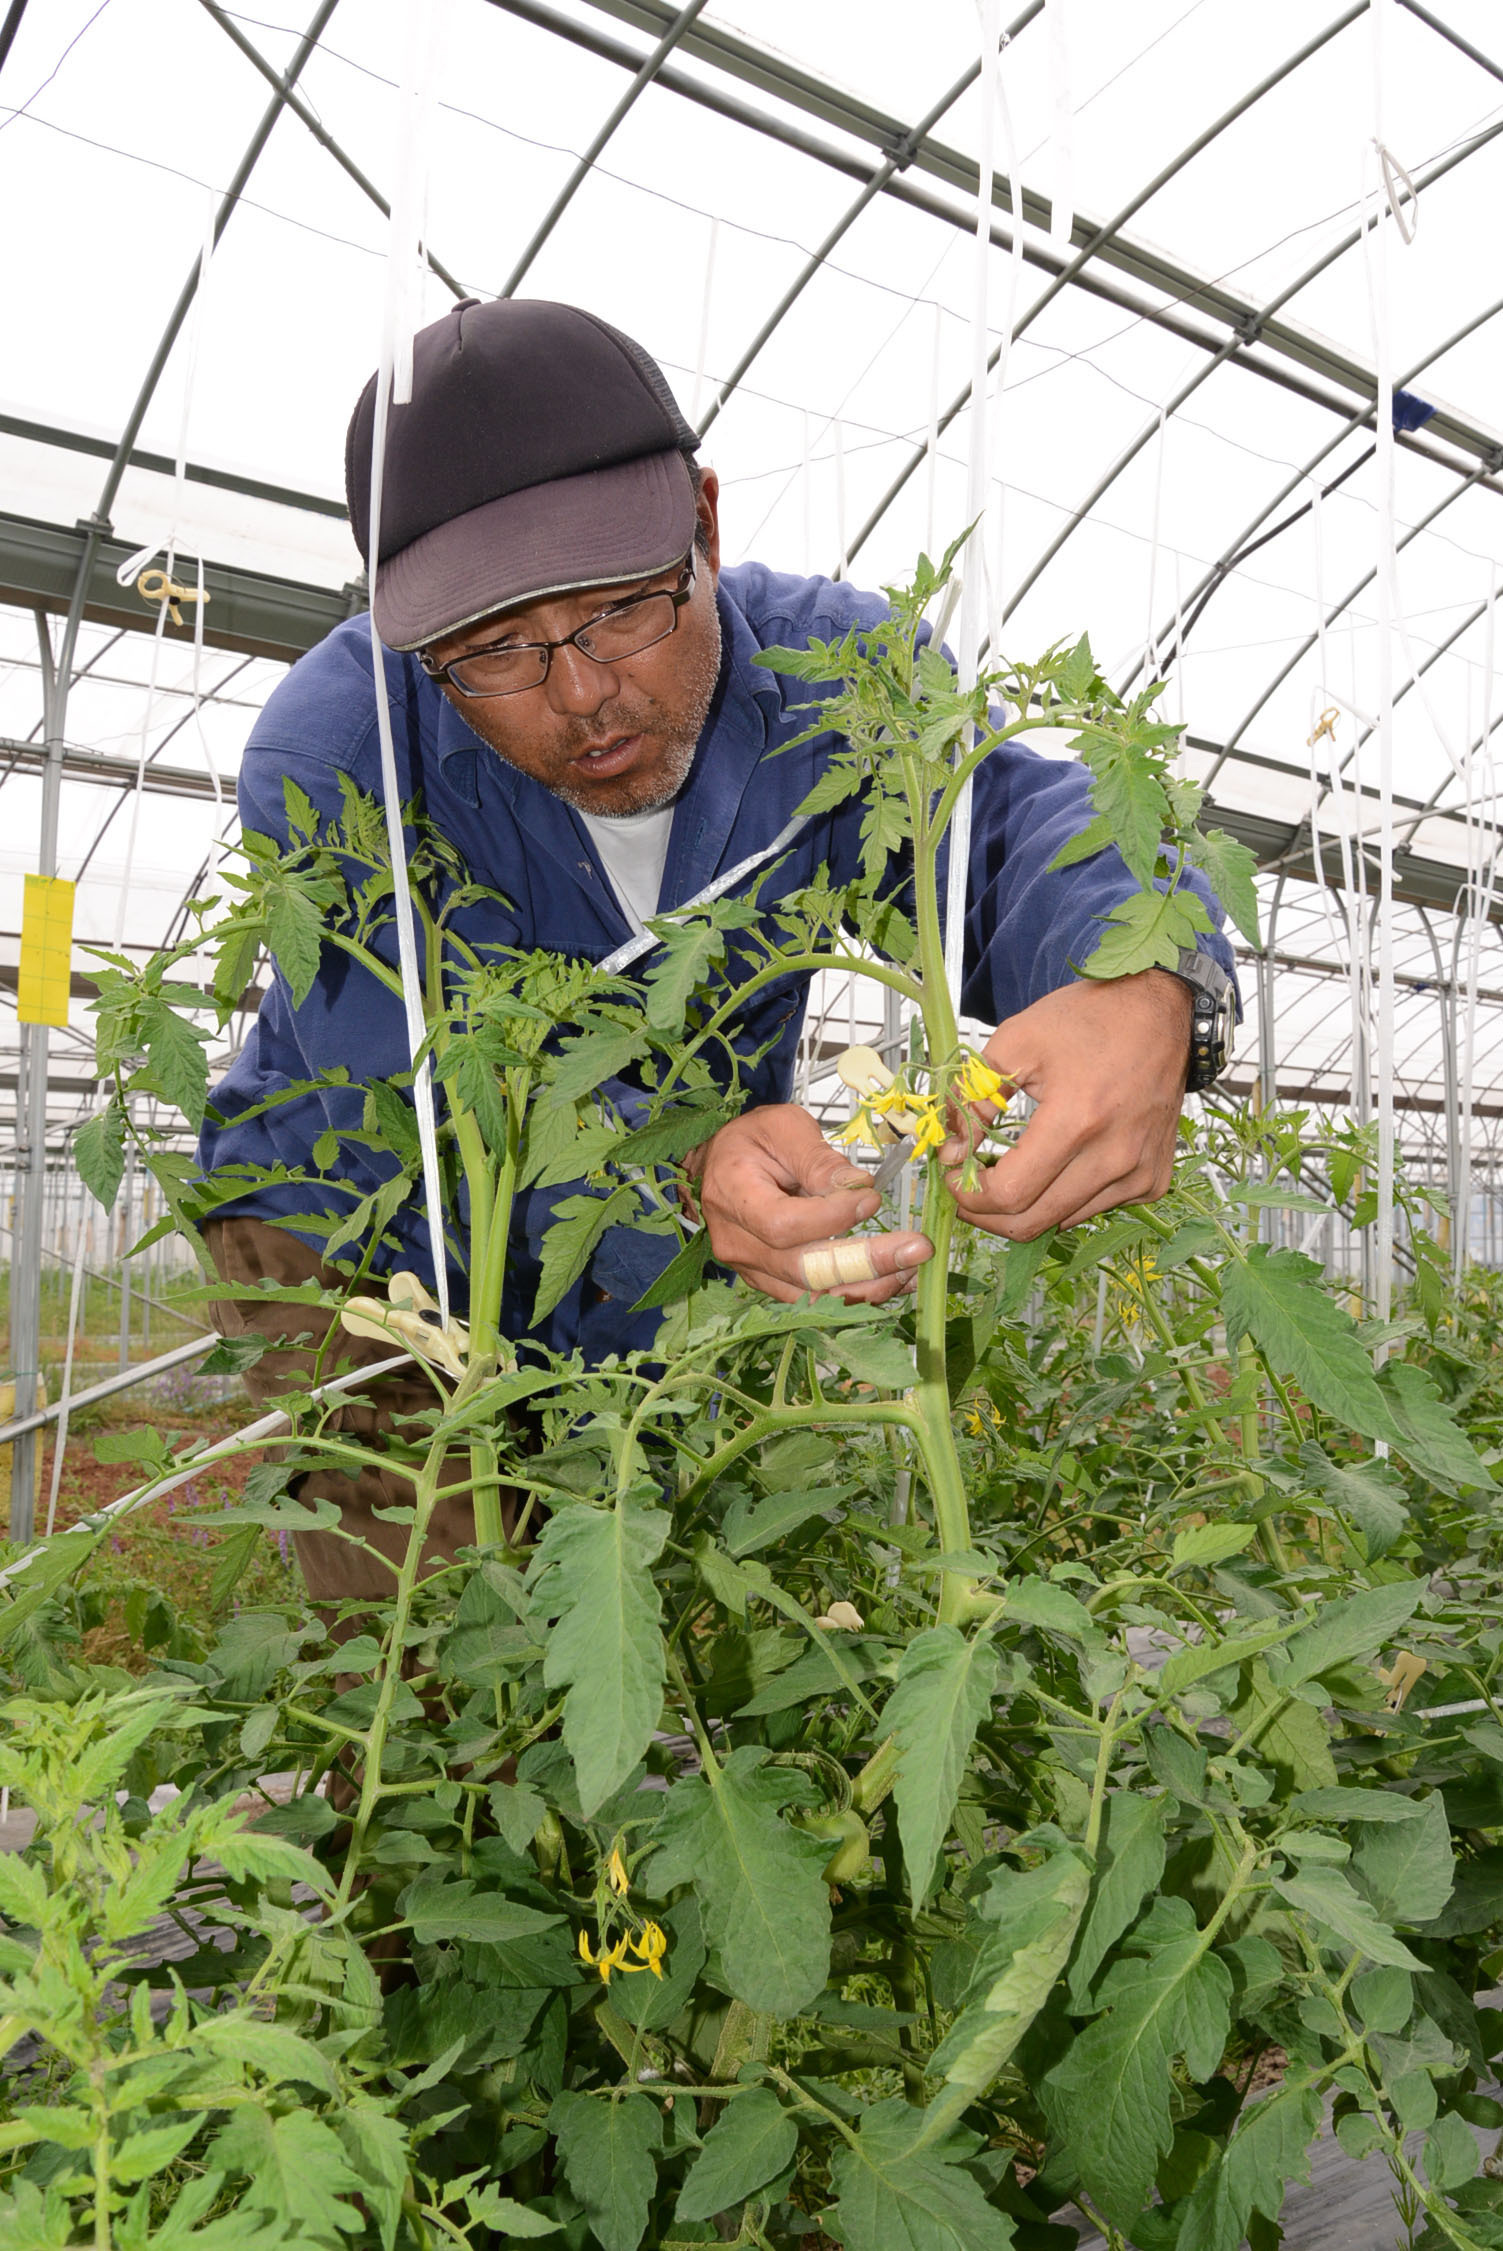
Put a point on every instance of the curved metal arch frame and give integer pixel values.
(817, 258)
(1338, 609)
(649, 70)
(1100, 237)
(1363, 420)
(1226, 351)
(321, 134)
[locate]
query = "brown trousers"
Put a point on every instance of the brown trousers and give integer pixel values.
(247, 1251)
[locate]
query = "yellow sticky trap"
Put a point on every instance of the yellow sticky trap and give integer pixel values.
(46, 950)
(1399, 1677)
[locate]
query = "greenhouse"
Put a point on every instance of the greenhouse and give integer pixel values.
(723, 1525)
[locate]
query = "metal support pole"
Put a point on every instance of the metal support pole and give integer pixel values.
(31, 1141)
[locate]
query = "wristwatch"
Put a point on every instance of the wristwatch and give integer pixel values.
(1213, 1017)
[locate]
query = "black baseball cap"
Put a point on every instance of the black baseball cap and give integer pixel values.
(541, 451)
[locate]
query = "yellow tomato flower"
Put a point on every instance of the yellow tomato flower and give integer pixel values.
(929, 1132)
(649, 1948)
(978, 1082)
(615, 1869)
(606, 1959)
(860, 1128)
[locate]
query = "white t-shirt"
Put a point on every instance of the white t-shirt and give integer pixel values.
(633, 851)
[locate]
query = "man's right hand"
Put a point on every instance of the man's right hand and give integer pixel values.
(777, 1200)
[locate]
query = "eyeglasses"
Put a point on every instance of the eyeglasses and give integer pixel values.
(507, 667)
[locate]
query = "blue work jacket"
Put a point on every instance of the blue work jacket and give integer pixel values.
(1025, 926)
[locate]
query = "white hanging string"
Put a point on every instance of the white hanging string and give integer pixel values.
(1375, 247)
(1062, 135)
(130, 570)
(973, 589)
(1482, 872)
(403, 312)
(704, 318)
(840, 526)
(1150, 653)
(806, 488)
(931, 456)
(1320, 704)
(996, 466)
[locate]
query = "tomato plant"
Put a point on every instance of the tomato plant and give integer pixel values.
(896, 1772)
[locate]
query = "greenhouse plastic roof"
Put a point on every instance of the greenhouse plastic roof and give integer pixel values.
(785, 215)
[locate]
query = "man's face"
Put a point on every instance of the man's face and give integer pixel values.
(615, 738)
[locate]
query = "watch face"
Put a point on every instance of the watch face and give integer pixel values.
(1212, 1029)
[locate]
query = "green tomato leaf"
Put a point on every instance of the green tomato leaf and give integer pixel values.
(689, 951)
(1039, 1602)
(1427, 1434)
(1129, 1865)
(1146, 931)
(295, 2171)
(1231, 870)
(1127, 796)
(1451, 2153)
(1361, 1626)
(99, 1152)
(753, 2141)
(1030, 1921)
(1206, 1544)
(571, 1240)
(592, 1572)
(439, 1910)
(875, 1358)
(945, 1687)
(892, 2196)
(1368, 1492)
(606, 2148)
(1269, 2150)
(1278, 1298)
(1111, 2092)
(509, 2218)
(1344, 1804)
(762, 1897)
(1408, 1870)
(177, 1062)
(1326, 1896)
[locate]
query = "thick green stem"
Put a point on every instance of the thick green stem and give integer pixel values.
(931, 1395)
(391, 1671)
(102, 2235)
(487, 1284)
(931, 1401)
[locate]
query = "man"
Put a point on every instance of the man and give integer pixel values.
(574, 699)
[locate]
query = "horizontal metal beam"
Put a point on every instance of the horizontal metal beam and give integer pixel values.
(814, 97)
(249, 611)
(224, 480)
(1417, 881)
(10, 1080)
(1341, 1096)
(111, 773)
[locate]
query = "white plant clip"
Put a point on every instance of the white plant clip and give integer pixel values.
(409, 1316)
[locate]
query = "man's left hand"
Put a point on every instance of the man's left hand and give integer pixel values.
(1106, 1065)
